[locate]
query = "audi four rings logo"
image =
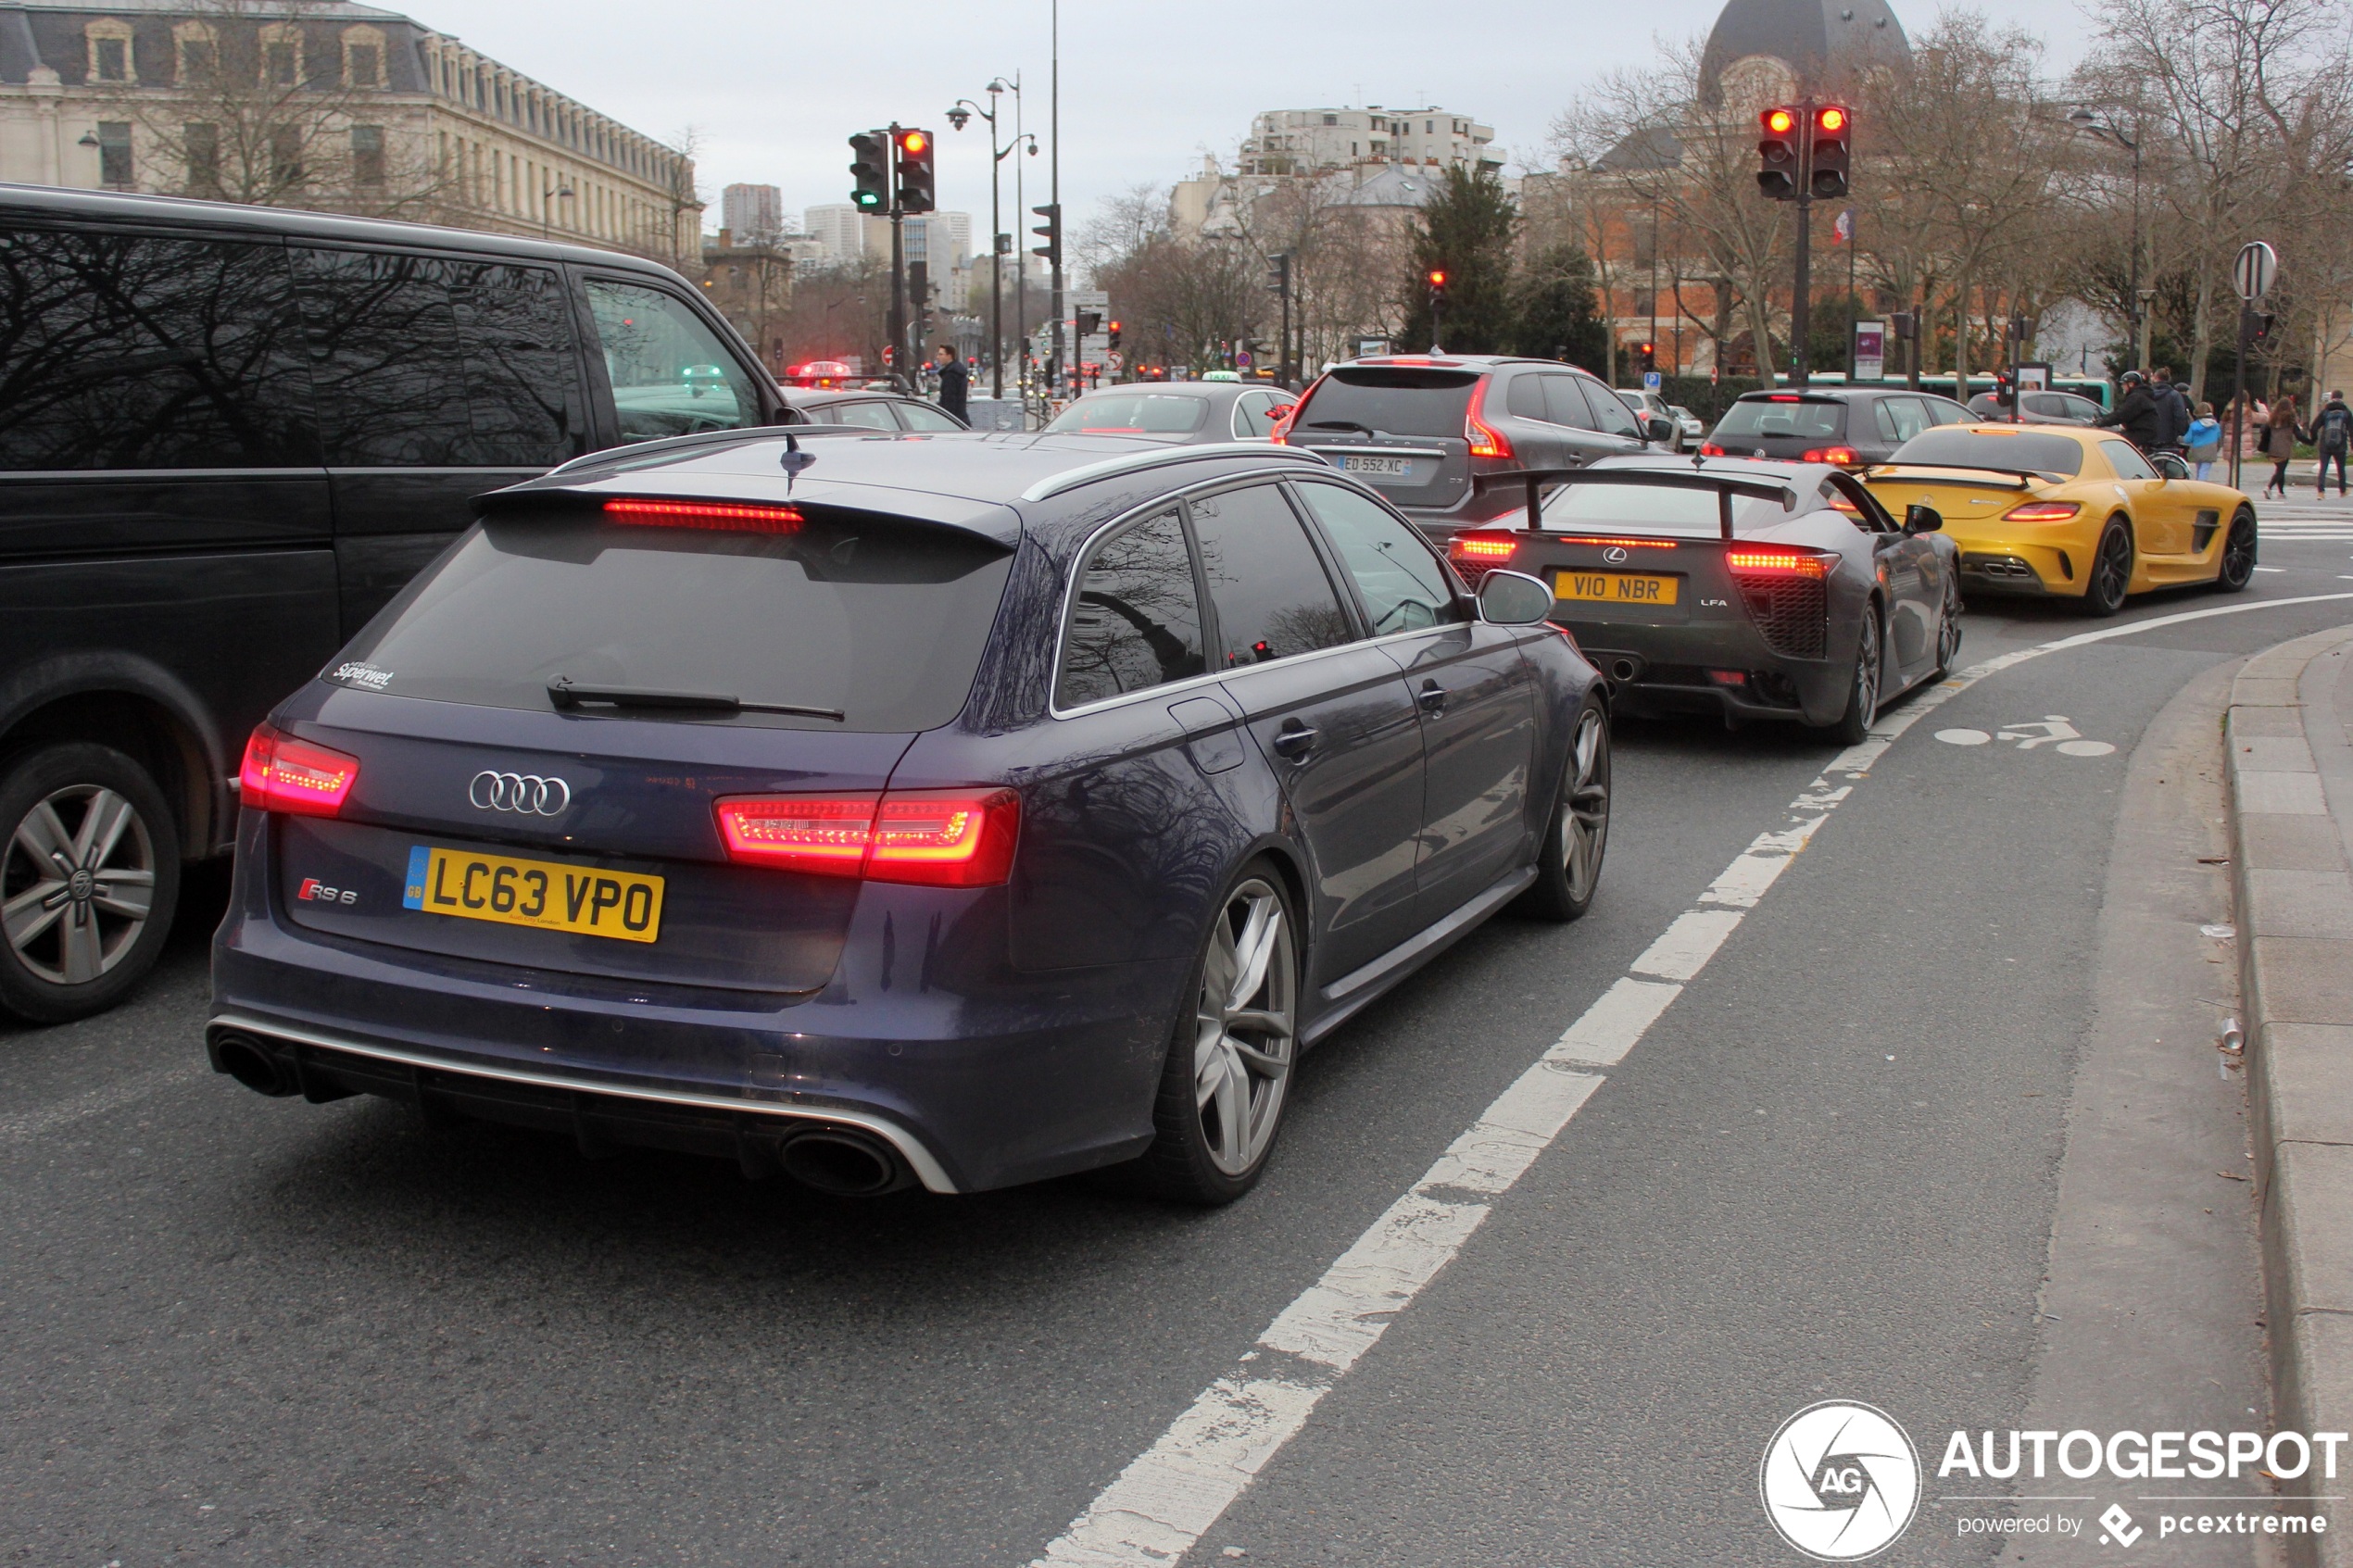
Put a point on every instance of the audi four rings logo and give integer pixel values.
(526, 793)
(1614, 554)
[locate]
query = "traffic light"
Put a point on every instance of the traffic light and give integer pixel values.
(916, 171)
(1833, 145)
(2260, 336)
(1776, 153)
(870, 166)
(1114, 335)
(1437, 280)
(1089, 322)
(1649, 352)
(1050, 232)
(1278, 277)
(2005, 390)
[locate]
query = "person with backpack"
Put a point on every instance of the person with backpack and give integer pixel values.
(2174, 406)
(2332, 439)
(2280, 434)
(2203, 445)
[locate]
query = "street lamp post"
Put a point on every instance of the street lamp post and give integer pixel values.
(960, 116)
(554, 192)
(2138, 311)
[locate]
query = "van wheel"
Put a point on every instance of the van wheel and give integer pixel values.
(1230, 1055)
(1568, 868)
(89, 877)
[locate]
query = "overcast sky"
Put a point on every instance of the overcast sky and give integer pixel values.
(773, 89)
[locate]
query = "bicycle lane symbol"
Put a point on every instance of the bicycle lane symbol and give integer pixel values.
(2053, 730)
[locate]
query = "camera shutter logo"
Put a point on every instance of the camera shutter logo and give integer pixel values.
(1840, 1481)
(528, 793)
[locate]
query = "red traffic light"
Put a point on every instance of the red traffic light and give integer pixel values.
(1436, 277)
(913, 143)
(1114, 326)
(1830, 117)
(1780, 122)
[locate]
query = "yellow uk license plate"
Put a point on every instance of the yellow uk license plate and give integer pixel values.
(1613, 587)
(582, 900)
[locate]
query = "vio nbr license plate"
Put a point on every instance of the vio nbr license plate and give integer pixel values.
(1615, 587)
(584, 900)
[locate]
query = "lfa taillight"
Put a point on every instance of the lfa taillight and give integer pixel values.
(933, 837)
(295, 777)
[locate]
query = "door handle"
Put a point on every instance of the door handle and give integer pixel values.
(1295, 740)
(1432, 696)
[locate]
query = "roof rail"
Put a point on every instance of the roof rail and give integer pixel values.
(1130, 462)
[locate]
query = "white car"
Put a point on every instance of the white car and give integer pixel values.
(1647, 403)
(1694, 429)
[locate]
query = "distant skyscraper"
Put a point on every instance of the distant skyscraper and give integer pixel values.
(835, 226)
(752, 212)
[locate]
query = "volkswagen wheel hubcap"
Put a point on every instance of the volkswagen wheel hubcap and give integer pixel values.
(77, 884)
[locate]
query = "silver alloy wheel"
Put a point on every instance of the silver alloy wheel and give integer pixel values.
(77, 879)
(1585, 833)
(1244, 1033)
(1867, 662)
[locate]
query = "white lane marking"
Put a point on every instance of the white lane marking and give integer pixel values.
(1963, 737)
(91, 1102)
(2270, 568)
(1168, 1499)
(1684, 948)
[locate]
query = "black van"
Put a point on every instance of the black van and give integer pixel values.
(228, 435)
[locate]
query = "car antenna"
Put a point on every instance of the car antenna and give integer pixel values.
(795, 459)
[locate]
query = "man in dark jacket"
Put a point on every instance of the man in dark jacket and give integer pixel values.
(2332, 439)
(2137, 413)
(954, 380)
(2173, 405)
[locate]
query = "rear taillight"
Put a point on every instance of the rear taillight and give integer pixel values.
(937, 837)
(1280, 429)
(2042, 511)
(1483, 547)
(292, 776)
(736, 517)
(1709, 449)
(1485, 440)
(1775, 563)
(1843, 457)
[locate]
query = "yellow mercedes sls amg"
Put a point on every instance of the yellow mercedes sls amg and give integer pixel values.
(2069, 511)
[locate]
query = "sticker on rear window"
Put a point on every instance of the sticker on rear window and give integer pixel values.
(359, 674)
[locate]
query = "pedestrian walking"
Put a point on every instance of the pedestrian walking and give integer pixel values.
(2173, 409)
(955, 379)
(2136, 412)
(2203, 445)
(2279, 432)
(2332, 439)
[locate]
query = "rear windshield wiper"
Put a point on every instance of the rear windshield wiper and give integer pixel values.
(1341, 424)
(564, 693)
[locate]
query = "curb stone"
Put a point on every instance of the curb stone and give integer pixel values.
(2287, 765)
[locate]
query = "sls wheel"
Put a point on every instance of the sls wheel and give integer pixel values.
(2238, 553)
(2111, 570)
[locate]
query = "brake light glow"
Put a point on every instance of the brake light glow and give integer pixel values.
(1709, 449)
(933, 837)
(1485, 547)
(1775, 563)
(1784, 397)
(725, 515)
(1628, 544)
(1281, 425)
(2042, 511)
(1485, 440)
(1843, 456)
(280, 773)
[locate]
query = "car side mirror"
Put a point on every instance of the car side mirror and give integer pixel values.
(1513, 599)
(1657, 427)
(1922, 519)
(2170, 466)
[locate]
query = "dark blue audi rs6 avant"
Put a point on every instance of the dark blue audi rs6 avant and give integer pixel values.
(961, 810)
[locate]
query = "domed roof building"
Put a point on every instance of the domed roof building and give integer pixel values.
(1763, 50)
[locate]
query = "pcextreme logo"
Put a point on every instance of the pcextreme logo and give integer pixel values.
(1840, 1481)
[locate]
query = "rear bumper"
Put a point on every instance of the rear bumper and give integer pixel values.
(981, 1081)
(2034, 570)
(1657, 670)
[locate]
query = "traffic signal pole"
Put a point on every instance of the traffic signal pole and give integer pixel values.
(1801, 300)
(1054, 176)
(898, 265)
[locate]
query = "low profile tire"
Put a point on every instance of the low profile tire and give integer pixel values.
(1863, 687)
(1568, 868)
(1948, 627)
(89, 877)
(2237, 568)
(1230, 1055)
(2111, 572)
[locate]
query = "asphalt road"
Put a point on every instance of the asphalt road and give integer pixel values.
(241, 1331)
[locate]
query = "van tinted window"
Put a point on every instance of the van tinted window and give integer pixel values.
(881, 619)
(522, 373)
(138, 352)
(387, 362)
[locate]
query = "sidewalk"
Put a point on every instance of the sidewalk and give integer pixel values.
(2289, 736)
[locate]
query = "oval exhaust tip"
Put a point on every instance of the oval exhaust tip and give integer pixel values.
(846, 1164)
(1623, 669)
(253, 1065)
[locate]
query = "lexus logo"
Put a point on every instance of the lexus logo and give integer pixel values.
(1614, 554)
(526, 793)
